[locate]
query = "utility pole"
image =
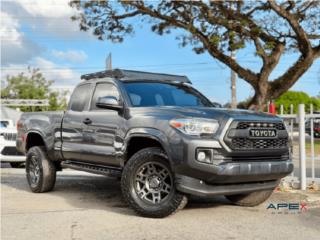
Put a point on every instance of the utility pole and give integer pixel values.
(233, 84)
(109, 62)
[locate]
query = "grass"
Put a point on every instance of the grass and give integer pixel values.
(316, 147)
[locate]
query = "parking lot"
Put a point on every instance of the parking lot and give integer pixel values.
(85, 206)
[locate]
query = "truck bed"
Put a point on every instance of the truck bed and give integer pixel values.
(47, 124)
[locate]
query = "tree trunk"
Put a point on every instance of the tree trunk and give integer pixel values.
(258, 103)
(262, 96)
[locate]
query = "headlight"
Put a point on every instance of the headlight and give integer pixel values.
(195, 126)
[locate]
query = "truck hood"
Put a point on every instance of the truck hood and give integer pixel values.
(204, 112)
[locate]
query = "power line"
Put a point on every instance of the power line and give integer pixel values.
(195, 64)
(98, 67)
(160, 66)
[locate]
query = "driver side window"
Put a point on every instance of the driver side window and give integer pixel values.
(103, 90)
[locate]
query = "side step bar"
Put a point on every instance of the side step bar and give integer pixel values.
(92, 168)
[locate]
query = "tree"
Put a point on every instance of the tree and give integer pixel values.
(32, 85)
(244, 104)
(272, 27)
(296, 98)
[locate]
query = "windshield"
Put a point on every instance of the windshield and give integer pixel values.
(147, 94)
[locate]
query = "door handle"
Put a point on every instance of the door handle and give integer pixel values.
(87, 121)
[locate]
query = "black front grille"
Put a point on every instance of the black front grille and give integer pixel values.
(10, 136)
(238, 136)
(247, 143)
(10, 151)
(246, 125)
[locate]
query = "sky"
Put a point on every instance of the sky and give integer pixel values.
(40, 34)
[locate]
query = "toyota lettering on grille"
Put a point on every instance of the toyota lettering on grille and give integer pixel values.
(263, 133)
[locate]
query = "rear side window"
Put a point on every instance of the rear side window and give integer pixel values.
(104, 90)
(80, 98)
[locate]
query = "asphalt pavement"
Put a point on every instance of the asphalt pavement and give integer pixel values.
(86, 206)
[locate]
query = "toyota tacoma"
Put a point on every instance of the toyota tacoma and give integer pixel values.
(161, 137)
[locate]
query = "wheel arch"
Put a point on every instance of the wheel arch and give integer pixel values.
(34, 138)
(138, 139)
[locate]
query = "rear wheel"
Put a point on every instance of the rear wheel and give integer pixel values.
(250, 199)
(147, 184)
(40, 171)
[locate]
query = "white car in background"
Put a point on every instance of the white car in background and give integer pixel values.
(8, 151)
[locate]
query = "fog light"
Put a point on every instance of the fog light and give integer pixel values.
(204, 155)
(201, 156)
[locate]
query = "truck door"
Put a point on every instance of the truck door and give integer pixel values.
(74, 139)
(104, 129)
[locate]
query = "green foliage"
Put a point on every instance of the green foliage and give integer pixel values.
(256, 30)
(57, 101)
(244, 22)
(244, 104)
(269, 45)
(32, 85)
(296, 98)
(259, 52)
(215, 39)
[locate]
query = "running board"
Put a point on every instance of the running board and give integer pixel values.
(92, 168)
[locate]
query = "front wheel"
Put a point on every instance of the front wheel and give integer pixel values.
(147, 184)
(41, 172)
(250, 199)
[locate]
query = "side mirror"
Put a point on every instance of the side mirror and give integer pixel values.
(109, 102)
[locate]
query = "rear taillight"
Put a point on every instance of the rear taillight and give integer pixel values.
(19, 125)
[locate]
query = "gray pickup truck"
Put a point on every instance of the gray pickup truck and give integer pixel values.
(161, 137)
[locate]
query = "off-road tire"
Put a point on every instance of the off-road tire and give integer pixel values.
(172, 203)
(250, 199)
(46, 170)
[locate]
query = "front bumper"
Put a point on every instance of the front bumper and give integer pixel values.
(233, 178)
(6, 158)
(230, 171)
(248, 169)
(197, 187)
(251, 171)
(8, 152)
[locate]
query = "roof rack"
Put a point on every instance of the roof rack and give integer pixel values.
(130, 75)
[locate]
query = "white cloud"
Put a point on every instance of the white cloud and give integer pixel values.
(70, 55)
(46, 21)
(51, 18)
(9, 29)
(61, 75)
(15, 47)
(48, 8)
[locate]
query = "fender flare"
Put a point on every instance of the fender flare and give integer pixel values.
(151, 133)
(36, 132)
